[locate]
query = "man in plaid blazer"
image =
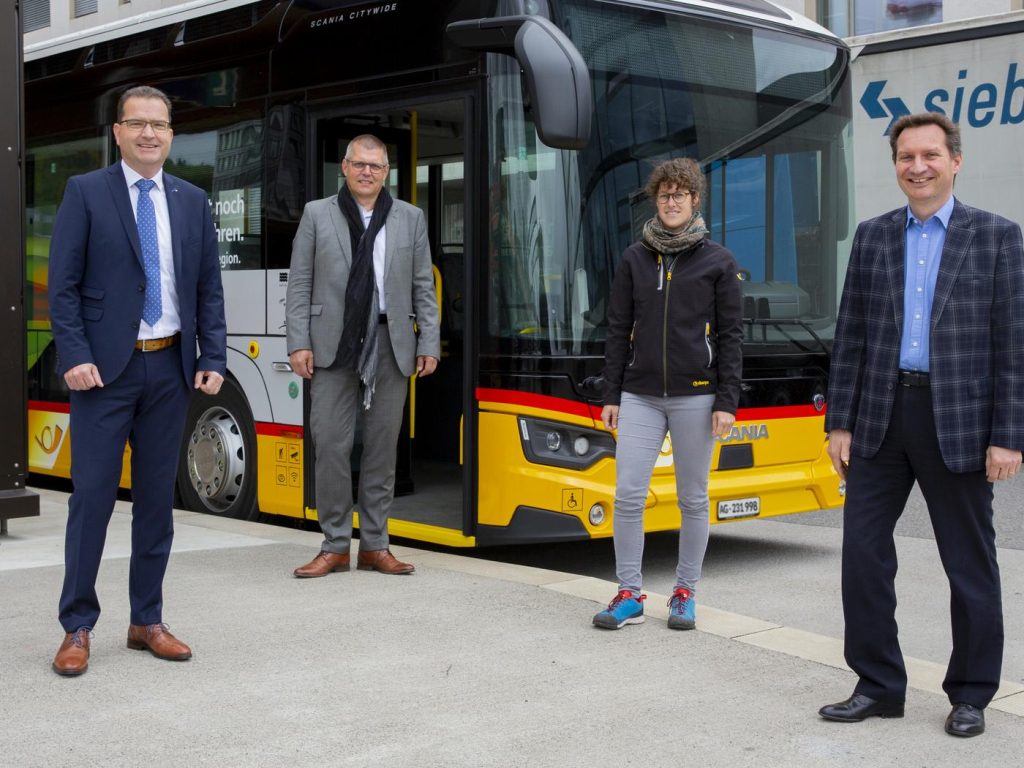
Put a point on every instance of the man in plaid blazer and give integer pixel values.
(926, 384)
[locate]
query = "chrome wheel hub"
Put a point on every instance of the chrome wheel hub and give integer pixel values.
(216, 459)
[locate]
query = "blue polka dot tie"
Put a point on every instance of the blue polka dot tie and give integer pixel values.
(145, 219)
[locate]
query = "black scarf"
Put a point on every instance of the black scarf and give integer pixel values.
(358, 346)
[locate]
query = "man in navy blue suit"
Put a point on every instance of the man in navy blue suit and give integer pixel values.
(927, 385)
(134, 286)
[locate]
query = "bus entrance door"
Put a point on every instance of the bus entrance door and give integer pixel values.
(427, 159)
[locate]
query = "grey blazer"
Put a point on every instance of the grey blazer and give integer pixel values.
(321, 257)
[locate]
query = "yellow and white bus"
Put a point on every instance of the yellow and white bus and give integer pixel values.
(525, 130)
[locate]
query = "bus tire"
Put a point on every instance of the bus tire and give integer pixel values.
(217, 468)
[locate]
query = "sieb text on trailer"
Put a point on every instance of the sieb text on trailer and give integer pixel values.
(972, 71)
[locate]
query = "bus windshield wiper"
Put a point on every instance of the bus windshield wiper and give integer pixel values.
(780, 323)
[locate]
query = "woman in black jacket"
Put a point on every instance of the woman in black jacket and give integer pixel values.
(673, 363)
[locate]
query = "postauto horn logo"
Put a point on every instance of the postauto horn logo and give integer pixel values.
(966, 101)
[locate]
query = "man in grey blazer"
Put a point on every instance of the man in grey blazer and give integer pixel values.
(360, 285)
(927, 385)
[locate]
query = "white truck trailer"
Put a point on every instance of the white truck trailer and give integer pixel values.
(970, 70)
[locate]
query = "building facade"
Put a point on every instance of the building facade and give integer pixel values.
(847, 18)
(46, 20)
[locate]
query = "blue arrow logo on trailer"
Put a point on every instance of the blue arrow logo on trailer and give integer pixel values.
(877, 107)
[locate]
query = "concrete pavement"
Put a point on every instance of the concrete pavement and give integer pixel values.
(465, 663)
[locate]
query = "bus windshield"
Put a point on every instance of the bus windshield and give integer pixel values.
(762, 110)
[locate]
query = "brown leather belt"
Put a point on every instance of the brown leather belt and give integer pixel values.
(155, 345)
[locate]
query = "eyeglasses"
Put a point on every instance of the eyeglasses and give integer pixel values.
(360, 166)
(677, 197)
(135, 126)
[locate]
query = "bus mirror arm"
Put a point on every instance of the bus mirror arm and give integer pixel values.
(497, 35)
(552, 66)
(592, 388)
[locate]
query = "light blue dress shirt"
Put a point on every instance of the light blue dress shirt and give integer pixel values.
(921, 269)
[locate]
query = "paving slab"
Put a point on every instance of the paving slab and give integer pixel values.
(464, 663)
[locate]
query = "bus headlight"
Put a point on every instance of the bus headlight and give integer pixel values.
(563, 445)
(596, 515)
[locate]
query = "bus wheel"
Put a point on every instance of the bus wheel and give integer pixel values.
(217, 471)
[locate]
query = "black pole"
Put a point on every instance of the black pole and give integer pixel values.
(15, 500)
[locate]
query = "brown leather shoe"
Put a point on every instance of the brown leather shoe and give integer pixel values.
(382, 560)
(73, 657)
(322, 564)
(157, 639)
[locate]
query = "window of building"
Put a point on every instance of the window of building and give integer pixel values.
(35, 15)
(85, 7)
(862, 17)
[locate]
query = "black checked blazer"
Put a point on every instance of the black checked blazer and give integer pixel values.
(976, 346)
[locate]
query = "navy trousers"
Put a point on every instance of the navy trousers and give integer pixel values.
(146, 407)
(960, 508)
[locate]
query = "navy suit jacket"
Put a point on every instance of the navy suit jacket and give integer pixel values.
(976, 346)
(97, 282)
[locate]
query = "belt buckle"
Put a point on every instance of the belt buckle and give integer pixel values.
(913, 379)
(154, 345)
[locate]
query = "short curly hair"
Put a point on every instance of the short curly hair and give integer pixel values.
(683, 172)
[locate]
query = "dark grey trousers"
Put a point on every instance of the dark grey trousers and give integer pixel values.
(335, 412)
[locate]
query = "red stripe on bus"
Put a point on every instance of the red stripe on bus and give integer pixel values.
(778, 412)
(561, 405)
(543, 402)
(262, 427)
(269, 429)
(40, 405)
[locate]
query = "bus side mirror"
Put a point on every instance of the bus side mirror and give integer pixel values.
(557, 79)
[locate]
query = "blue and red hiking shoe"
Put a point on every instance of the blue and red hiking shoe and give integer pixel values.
(625, 608)
(681, 609)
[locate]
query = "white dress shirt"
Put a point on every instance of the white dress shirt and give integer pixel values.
(169, 322)
(378, 257)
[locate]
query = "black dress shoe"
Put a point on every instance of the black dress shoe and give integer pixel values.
(965, 720)
(860, 707)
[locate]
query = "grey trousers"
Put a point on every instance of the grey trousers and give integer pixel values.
(336, 408)
(643, 423)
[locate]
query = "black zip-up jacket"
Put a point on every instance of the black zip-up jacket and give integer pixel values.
(675, 325)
